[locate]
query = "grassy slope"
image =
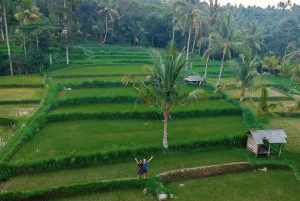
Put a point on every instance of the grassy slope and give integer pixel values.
(126, 169)
(65, 137)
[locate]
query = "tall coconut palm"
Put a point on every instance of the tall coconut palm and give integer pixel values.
(112, 14)
(225, 40)
(189, 15)
(244, 73)
(255, 36)
(164, 81)
(214, 11)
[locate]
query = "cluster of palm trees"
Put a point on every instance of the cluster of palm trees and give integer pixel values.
(219, 33)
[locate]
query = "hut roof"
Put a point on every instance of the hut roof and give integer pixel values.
(194, 78)
(272, 135)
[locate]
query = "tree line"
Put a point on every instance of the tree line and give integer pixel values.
(40, 27)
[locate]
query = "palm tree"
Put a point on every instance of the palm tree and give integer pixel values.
(296, 74)
(190, 13)
(255, 36)
(25, 13)
(112, 14)
(286, 69)
(214, 11)
(244, 73)
(3, 4)
(263, 108)
(164, 81)
(271, 64)
(225, 40)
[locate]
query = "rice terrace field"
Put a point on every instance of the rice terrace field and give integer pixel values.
(72, 133)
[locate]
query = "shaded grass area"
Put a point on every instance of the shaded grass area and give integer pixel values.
(127, 169)
(232, 80)
(131, 107)
(21, 93)
(81, 136)
(291, 126)
(251, 185)
(97, 70)
(114, 91)
(18, 111)
(21, 79)
(124, 195)
(6, 132)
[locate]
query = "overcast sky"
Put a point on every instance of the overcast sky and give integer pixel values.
(260, 3)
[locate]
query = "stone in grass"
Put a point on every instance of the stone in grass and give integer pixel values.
(264, 169)
(162, 196)
(181, 185)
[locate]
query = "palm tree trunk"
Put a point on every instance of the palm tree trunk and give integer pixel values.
(7, 40)
(242, 94)
(67, 54)
(105, 28)
(66, 33)
(207, 59)
(188, 45)
(194, 43)
(166, 117)
(37, 41)
(173, 36)
(24, 46)
(1, 28)
(291, 80)
(221, 69)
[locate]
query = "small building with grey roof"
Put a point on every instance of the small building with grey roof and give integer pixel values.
(257, 139)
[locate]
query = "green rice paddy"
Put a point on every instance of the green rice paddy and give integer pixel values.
(21, 79)
(21, 93)
(17, 111)
(132, 107)
(126, 169)
(82, 136)
(6, 132)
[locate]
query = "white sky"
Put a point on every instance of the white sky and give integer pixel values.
(260, 3)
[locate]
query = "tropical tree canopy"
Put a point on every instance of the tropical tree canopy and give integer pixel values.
(165, 77)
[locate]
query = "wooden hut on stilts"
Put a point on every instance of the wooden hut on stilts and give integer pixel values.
(257, 139)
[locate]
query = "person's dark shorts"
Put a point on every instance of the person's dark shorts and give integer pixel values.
(145, 171)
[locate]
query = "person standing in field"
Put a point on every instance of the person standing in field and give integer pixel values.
(145, 167)
(140, 170)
